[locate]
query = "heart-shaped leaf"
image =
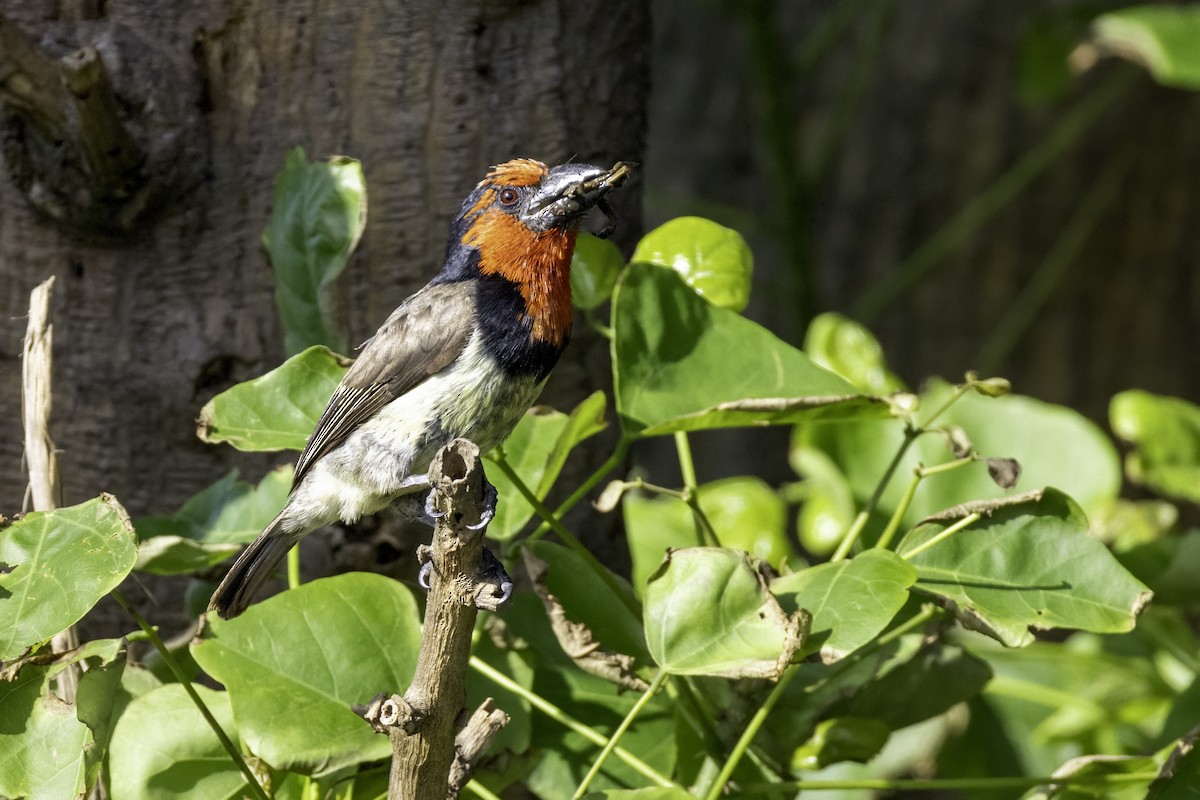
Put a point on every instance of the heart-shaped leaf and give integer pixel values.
(851, 602)
(681, 363)
(714, 260)
(295, 663)
(317, 217)
(1028, 561)
(276, 411)
(708, 612)
(58, 564)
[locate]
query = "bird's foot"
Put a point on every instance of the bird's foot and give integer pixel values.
(423, 575)
(487, 508)
(492, 572)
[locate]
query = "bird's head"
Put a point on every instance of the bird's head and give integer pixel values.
(520, 224)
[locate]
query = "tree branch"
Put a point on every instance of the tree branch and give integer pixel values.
(421, 724)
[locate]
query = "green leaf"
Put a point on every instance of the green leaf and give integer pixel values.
(317, 217)
(212, 525)
(846, 348)
(851, 602)
(276, 411)
(59, 564)
(856, 739)
(744, 511)
(683, 364)
(162, 747)
(828, 510)
(1170, 566)
(42, 741)
(1054, 445)
(1165, 434)
(651, 793)
(594, 270)
(588, 600)
(708, 612)
(537, 449)
(714, 260)
(1180, 779)
(295, 663)
(1159, 38)
(1029, 561)
(1043, 72)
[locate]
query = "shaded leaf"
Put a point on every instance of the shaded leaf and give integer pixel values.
(1097, 768)
(714, 260)
(537, 449)
(295, 663)
(1160, 38)
(60, 563)
(162, 747)
(211, 526)
(318, 214)
(276, 411)
(851, 602)
(594, 270)
(1180, 778)
(1028, 562)
(41, 740)
(651, 793)
(1165, 434)
(708, 612)
(683, 364)
(840, 739)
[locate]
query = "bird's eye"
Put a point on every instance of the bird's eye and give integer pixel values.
(509, 196)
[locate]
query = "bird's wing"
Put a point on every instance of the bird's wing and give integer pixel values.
(421, 337)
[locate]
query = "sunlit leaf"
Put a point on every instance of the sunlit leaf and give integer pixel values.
(163, 745)
(318, 214)
(276, 411)
(714, 260)
(683, 364)
(295, 663)
(1165, 434)
(828, 508)
(1028, 563)
(57, 565)
(851, 601)
(848, 349)
(1160, 38)
(708, 612)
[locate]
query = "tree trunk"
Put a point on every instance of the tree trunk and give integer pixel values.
(152, 322)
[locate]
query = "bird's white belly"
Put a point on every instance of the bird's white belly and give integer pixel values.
(389, 455)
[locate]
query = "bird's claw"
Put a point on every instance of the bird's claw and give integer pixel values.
(487, 508)
(492, 571)
(423, 575)
(431, 511)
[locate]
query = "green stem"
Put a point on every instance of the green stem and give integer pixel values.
(860, 521)
(1050, 272)
(293, 566)
(655, 685)
(481, 791)
(182, 677)
(949, 784)
(986, 205)
(614, 461)
(910, 492)
(568, 538)
(563, 718)
(946, 534)
(705, 534)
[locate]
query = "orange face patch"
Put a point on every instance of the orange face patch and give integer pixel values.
(539, 263)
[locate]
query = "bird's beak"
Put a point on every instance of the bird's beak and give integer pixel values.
(571, 190)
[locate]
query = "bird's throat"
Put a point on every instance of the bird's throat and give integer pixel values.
(539, 263)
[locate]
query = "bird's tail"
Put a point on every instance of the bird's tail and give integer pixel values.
(252, 569)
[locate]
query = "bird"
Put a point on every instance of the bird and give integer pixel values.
(465, 356)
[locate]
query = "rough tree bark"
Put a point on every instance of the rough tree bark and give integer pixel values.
(427, 93)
